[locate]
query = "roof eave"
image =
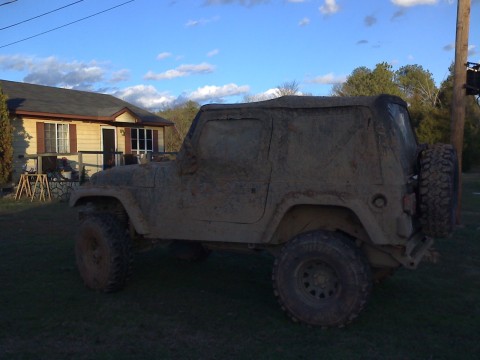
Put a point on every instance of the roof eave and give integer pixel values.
(110, 119)
(61, 116)
(159, 124)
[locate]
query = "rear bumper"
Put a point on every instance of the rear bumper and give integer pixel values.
(416, 249)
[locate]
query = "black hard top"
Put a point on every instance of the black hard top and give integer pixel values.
(299, 102)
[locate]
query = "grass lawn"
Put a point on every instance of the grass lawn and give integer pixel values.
(222, 308)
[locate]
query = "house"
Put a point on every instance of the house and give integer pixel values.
(91, 131)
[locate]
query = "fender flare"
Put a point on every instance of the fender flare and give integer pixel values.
(366, 219)
(83, 195)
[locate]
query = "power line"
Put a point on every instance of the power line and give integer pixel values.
(65, 25)
(9, 2)
(36, 17)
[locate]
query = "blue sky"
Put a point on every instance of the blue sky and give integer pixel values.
(155, 53)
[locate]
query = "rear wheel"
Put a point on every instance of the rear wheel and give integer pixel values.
(103, 253)
(321, 278)
(438, 189)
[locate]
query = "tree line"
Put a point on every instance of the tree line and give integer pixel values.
(429, 106)
(6, 142)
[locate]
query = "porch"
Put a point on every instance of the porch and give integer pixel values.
(62, 173)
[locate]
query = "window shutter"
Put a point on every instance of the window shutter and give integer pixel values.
(72, 130)
(128, 141)
(40, 138)
(155, 141)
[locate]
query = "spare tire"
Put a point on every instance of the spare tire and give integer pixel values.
(438, 189)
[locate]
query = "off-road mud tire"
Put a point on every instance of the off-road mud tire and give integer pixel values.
(191, 251)
(322, 278)
(438, 189)
(103, 253)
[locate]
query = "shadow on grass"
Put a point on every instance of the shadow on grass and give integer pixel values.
(222, 308)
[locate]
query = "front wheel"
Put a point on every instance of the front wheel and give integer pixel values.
(103, 253)
(321, 278)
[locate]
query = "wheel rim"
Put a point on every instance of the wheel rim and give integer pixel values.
(96, 253)
(317, 280)
(94, 259)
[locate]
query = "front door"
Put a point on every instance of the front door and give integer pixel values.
(108, 143)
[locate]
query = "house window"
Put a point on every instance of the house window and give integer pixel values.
(56, 138)
(142, 141)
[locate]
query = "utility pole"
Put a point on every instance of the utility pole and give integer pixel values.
(459, 93)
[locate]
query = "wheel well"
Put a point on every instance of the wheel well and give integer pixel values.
(304, 218)
(104, 204)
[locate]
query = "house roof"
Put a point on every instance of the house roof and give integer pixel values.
(52, 102)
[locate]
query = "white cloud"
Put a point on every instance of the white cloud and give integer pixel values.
(145, 96)
(54, 72)
(164, 55)
(449, 47)
(329, 7)
(213, 52)
(409, 3)
(398, 14)
(304, 22)
(120, 75)
(328, 79)
(472, 50)
(194, 23)
(370, 20)
(217, 93)
(15, 62)
(181, 71)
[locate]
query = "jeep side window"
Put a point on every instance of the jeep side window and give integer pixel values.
(231, 142)
(401, 123)
(401, 119)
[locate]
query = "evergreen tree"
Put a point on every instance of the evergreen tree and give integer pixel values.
(364, 81)
(6, 142)
(471, 141)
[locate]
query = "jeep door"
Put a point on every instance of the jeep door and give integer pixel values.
(232, 179)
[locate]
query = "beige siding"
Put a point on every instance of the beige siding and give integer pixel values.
(126, 117)
(161, 138)
(24, 142)
(88, 139)
(121, 139)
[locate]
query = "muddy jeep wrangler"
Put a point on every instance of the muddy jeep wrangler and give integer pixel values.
(337, 189)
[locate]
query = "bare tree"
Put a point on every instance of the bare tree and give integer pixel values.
(288, 88)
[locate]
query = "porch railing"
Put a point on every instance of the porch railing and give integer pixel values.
(43, 161)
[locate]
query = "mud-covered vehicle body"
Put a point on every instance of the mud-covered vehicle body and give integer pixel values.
(337, 189)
